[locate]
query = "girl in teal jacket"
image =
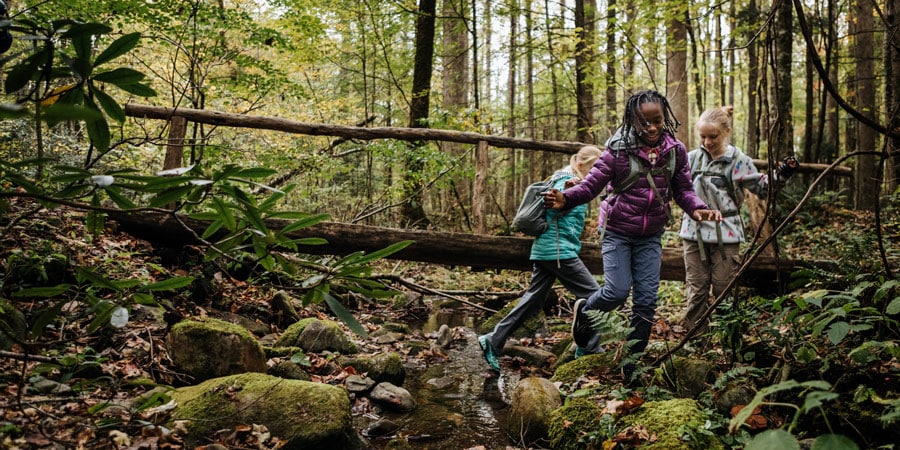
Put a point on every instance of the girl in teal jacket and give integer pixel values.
(554, 255)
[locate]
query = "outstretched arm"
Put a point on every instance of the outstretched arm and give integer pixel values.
(554, 199)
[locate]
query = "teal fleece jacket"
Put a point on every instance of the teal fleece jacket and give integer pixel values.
(562, 240)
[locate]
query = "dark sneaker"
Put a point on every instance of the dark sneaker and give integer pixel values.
(488, 351)
(581, 325)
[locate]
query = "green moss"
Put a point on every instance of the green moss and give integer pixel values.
(587, 364)
(290, 335)
(209, 326)
(574, 422)
(308, 415)
(676, 424)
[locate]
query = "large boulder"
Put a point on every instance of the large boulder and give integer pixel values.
(211, 348)
(533, 400)
(303, 414)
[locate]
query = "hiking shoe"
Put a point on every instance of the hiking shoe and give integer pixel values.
(488, 350)
(581, 325)
(579, 352)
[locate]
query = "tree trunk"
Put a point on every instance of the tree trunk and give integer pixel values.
(511, 201)
(413, 211)
(585, 14)
(676, 67)
(456, 87)
(554, 89)
(892, 90)
(612, 105)
(753, 87)
(782, 143)
(867, 179)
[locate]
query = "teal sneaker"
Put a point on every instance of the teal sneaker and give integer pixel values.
(579, 352)
(489, 355)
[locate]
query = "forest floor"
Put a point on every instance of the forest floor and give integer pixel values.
(95, 372)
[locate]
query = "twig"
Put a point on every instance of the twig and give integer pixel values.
(428, 290)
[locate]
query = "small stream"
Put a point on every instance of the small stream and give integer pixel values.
(461, 403)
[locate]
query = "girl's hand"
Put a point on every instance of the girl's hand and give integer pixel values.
(554, 199)
(572, 182)
(707, 214)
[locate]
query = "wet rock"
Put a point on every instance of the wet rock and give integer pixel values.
(444, 336)
(314, 336)
(46, 386)
(393, 397)
(532, 402)
(383, 427)
(387, 338)
(307, 415)
(532, 355)
(440, 383)
(357, 384)
(211, 348)
(535, 324)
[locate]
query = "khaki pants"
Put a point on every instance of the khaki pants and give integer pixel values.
(716, 272)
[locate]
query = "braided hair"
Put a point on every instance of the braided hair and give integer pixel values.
(633, 111)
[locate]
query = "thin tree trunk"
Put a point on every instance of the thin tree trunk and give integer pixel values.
(585, 14)
(867, 179)
(752, 146)
(455, 88)
(676, 67)
(612, 105)
(413, 211)
(554, 88)
(530, 132)
(782, 134)
(892, 90)
(510, 200)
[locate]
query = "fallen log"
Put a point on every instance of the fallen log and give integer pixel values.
(438, 247)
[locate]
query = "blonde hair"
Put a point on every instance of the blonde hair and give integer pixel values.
(719, 117)
(586, 155)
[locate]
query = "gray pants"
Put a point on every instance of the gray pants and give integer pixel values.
(715, 272)
(573, 275)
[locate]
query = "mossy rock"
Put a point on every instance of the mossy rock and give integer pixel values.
(596, 363)
(381, 367)
(529, 328)
(533, 401)
(306, 415)
(211, 348)
(572, 422)
(314, 335)
(669, 421)
(688, 377)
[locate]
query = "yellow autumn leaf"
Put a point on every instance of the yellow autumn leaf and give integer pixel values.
(54, 95)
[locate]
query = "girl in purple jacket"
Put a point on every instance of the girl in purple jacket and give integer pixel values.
(633, 220)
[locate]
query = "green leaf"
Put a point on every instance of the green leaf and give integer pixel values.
(170, 285)
(170, 196)
(256, 172)
(213, 227)
(387, 251)
(143, 298)
(773, 440)
(139, 89)
(342, 313)
(83, 274)
(120, 77)
(838, 331)
(98, 131)
(225, 213)
(85, 29)
(120, 200)
(309, 241)
(893, 307)
(816, 399)
(61, 112)
(118, 48)
(304, 222)
(109, 105)
(42, 291)
(834, 442)
(46, 317)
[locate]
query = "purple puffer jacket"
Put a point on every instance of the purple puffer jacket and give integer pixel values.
(636, 212)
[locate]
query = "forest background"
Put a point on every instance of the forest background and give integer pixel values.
(817, 80)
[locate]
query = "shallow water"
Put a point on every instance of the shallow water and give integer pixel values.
(461, 404)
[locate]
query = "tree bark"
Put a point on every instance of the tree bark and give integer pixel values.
(456, 86)
(585, 14)
(753, 89)
(676, 68)
(413, 210)
(612, 104)
(867, 179)
(782, 143)
(892, 91)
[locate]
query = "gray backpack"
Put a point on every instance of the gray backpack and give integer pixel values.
(530, 217)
